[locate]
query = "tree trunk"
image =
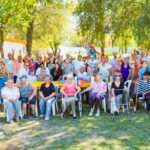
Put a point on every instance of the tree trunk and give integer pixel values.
(125, 46)
(1, 42)
(29, 35)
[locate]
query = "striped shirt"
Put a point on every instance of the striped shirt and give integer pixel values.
(143, 86)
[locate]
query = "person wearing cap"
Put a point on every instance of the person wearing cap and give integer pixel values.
(47, 98)
(27, 96)
(12, 105)
(70, 91)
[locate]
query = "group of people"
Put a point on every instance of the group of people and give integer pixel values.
(107, 76)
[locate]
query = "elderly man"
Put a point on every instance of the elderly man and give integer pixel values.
(10, 95)
(47, 95)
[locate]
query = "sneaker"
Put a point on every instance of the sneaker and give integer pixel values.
(74, 117)
(41, 116)
(16, 119)
(62, 115)
(46, 118)
(97, 114)
(34, 115)
(10, 122)
(91, 113)
(25, 117)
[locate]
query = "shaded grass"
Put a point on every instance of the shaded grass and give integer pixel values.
(86, 133)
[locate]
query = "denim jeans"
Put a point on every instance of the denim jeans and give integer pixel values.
(46, 107)
(12, 109)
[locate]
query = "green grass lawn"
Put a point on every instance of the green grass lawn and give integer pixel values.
(86, 133)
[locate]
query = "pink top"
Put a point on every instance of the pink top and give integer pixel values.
(99, 88)
(70, 89)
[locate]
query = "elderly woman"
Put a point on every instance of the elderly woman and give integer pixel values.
(10, 95)
(69, 90)
(97, 90)
(47, 95)
(27, 96)
(117, 89)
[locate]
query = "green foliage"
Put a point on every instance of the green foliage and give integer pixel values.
(91, 15)
(124, 20)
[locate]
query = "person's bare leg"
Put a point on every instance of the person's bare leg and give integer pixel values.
(33, 109)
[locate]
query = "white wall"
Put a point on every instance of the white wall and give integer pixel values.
(17, 47)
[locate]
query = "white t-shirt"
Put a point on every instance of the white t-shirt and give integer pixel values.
(22, 72)
(104, 71)
(45, 71)
(9, 65)
(77, 65)
(12, 93)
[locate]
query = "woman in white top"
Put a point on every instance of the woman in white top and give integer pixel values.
(10, 95)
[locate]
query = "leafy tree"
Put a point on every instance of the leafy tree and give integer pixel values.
(91, 15)
(8, 12)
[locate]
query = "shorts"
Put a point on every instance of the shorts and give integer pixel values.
(25, 100)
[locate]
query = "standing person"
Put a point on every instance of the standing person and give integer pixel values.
(41, 72)
(142, 70)
(125, 70)
(10, 64)
(104, 69)
(77, 64)
(47, 98)
(17, 66)
(23, 71)
(67, 67)
(92, 65)
(27, 96)
(57, 72)
(50, 64)
(12, 105)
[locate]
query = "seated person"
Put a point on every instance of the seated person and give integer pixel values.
(142, 89)
(117, 92)
(47, 98)
(10, 95)
(27, 96)
(98, 90)
(70, 90)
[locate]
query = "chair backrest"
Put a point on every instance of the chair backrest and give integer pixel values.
(128, 85)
